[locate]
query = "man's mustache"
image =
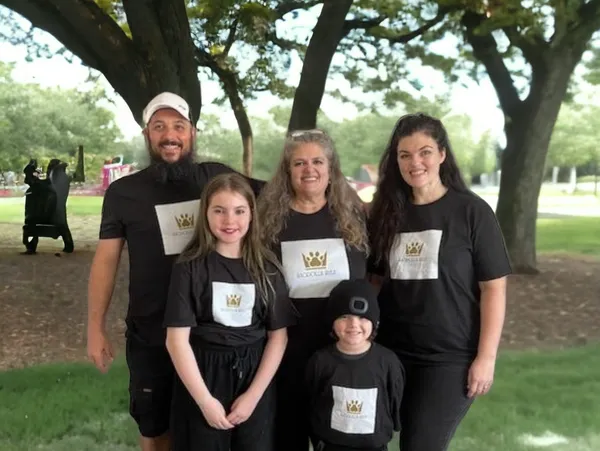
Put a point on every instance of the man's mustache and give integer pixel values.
(170, 142)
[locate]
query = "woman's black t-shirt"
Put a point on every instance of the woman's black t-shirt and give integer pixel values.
(430, 303)
(315, 259)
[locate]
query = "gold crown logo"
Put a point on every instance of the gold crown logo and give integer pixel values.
(234, 300)
(354, 407)
(315, 260)
(185, 221)
(414, 249)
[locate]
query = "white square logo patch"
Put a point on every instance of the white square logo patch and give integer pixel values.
(415, 255)
(233, 303)
(313, 267)
(354, 410)
(177, 223)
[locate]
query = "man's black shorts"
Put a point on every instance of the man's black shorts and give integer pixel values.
(151, 374)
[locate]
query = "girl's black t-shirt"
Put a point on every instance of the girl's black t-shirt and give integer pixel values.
(157, 221)
(217, 298)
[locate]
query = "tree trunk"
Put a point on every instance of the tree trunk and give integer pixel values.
(241, 116)
(158, 57)
(528, 134)
(231, 87)
(322, 46)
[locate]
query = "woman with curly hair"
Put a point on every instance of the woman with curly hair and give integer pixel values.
(442, 257)
(314, 221)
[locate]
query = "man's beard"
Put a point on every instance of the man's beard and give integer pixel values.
(181, 171)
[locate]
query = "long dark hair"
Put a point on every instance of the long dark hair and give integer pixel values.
(393, 193)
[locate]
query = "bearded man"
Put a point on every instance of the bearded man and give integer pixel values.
(155, 212)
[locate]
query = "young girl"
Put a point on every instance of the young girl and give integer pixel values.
(226, 318)
(354, 386)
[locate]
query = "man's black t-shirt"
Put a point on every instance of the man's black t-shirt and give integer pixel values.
(315, 259)
(157, 221)
(354, 401)
(218, 299)
(430, 304)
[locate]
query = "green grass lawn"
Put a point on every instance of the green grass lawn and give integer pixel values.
(575, 235)
(12, 209)
(72, 406)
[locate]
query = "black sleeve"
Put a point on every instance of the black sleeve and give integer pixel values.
(282, 312)
(180, 310)
(311, 382)
(373, 267)
(396, 388)
(210, 170)
(377, 268)
(490, 258)
(111, 224)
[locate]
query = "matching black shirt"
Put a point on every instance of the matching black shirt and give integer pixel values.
(354, 401)
(217, 297)
(430, 304)
(315, 259)
(157, 221)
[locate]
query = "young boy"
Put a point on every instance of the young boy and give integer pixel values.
(355, 385)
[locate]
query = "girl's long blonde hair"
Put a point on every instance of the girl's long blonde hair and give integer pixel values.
(276, 197)
(255, 255)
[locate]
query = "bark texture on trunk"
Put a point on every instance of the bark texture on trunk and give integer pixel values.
(158, 56)
(326, 36)
(529, 122)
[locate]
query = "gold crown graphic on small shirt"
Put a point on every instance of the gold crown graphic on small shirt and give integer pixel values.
(414, 248)
(354, 407)
(185, 221)
(315, 260)
(233, 300)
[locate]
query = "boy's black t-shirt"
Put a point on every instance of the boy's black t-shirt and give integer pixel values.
(157, 221)
(354, 402)
(218, 299)
(430, 303)
(315, 259)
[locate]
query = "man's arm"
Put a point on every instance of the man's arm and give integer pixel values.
(100, 289)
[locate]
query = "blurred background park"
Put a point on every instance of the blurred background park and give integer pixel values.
(515, 82)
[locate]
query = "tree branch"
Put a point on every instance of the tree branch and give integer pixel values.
(360, 24)
(486, 51)
(67, 20)
(533, 48)
(404, 38)
(587, 23)
(231, 36)
(323, 44)
(284, 44)
(288, 6)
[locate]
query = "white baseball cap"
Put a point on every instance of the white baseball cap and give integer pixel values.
(166, 100)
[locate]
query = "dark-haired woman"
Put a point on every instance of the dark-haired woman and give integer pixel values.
(439, 253)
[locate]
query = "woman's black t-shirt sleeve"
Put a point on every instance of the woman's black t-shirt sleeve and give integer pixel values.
(396, 389)
(376, 268)
(281, 312)
(490, 258)
(181, 309)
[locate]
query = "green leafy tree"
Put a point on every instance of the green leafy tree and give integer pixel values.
(45, 123)
(550, 37)
(574, 140)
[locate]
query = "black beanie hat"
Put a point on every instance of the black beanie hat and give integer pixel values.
(353, 297)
